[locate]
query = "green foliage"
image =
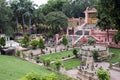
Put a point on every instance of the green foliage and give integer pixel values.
(91, 41)
(117, 37)
(75, 52)
(95, 55)
(58, 64)
(53, 5)
(25, 41)
(52, 76)
(41, 44)
(32, 76)
(18, 53)
(64, 40)
(75, 8)
(47, 62)
(2, 42)
(34, 43)
(23, 54)
(107, 20)
(57, 20)
(5, 18)
(103, 74)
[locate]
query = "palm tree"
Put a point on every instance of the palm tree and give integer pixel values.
(30, 7)
(15, 8)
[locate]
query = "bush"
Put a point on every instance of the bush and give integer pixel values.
(58, 65)
(25, 41)
(75, 53)
(47, 62)
(18, 53)
(23, 54)
(91, 41)
(95, 55)
(32, 76)
(2, 42)
(34, 43)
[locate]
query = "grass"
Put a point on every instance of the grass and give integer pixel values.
(69, 64)
(58, 55)
(13, 68)
(116, 58)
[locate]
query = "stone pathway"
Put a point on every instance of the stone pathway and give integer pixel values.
(115, 75)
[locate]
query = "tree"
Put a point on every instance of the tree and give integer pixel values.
(104, 20)
(15, 8)
(41, 45)
(53, 5)
(107, 14)
(117, 37)
(75, 8)
(57, 20)
(29, 7)
(34, 43)
(75, 53)
(2, 42)
(5, 18)
(64, 41)
(25, 41)
(103, 74)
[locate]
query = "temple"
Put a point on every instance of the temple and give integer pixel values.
(81, 29)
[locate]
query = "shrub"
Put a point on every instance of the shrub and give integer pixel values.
(58, 65)
(23, 54)
(75, 53)
(18, 53)
(34, 43)
(95, 55)
(103, 74)
(2, 42)
(25, 41)
(91, 41)
(32, 76)
(47, 62)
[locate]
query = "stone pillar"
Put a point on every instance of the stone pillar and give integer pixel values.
(73, 40)
(67, 31)
(86, 15)
(57, 37)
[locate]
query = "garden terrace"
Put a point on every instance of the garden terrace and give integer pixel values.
(58, 55)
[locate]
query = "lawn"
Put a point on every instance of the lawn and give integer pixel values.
(58, 55)
(69, 64)
(13, 68)
(116, 58)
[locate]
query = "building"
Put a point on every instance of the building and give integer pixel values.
(81, 33)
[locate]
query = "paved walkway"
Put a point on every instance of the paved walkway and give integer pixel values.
(115, 75)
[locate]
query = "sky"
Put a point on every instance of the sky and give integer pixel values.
(39, 2)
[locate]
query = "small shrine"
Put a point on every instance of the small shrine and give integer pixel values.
(88, 67)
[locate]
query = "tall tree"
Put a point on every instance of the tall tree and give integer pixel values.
(5, 18)
(108, 15)
(57, 20)
(75, 8)
(15, 8)
(53, 5)
(29, 10)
